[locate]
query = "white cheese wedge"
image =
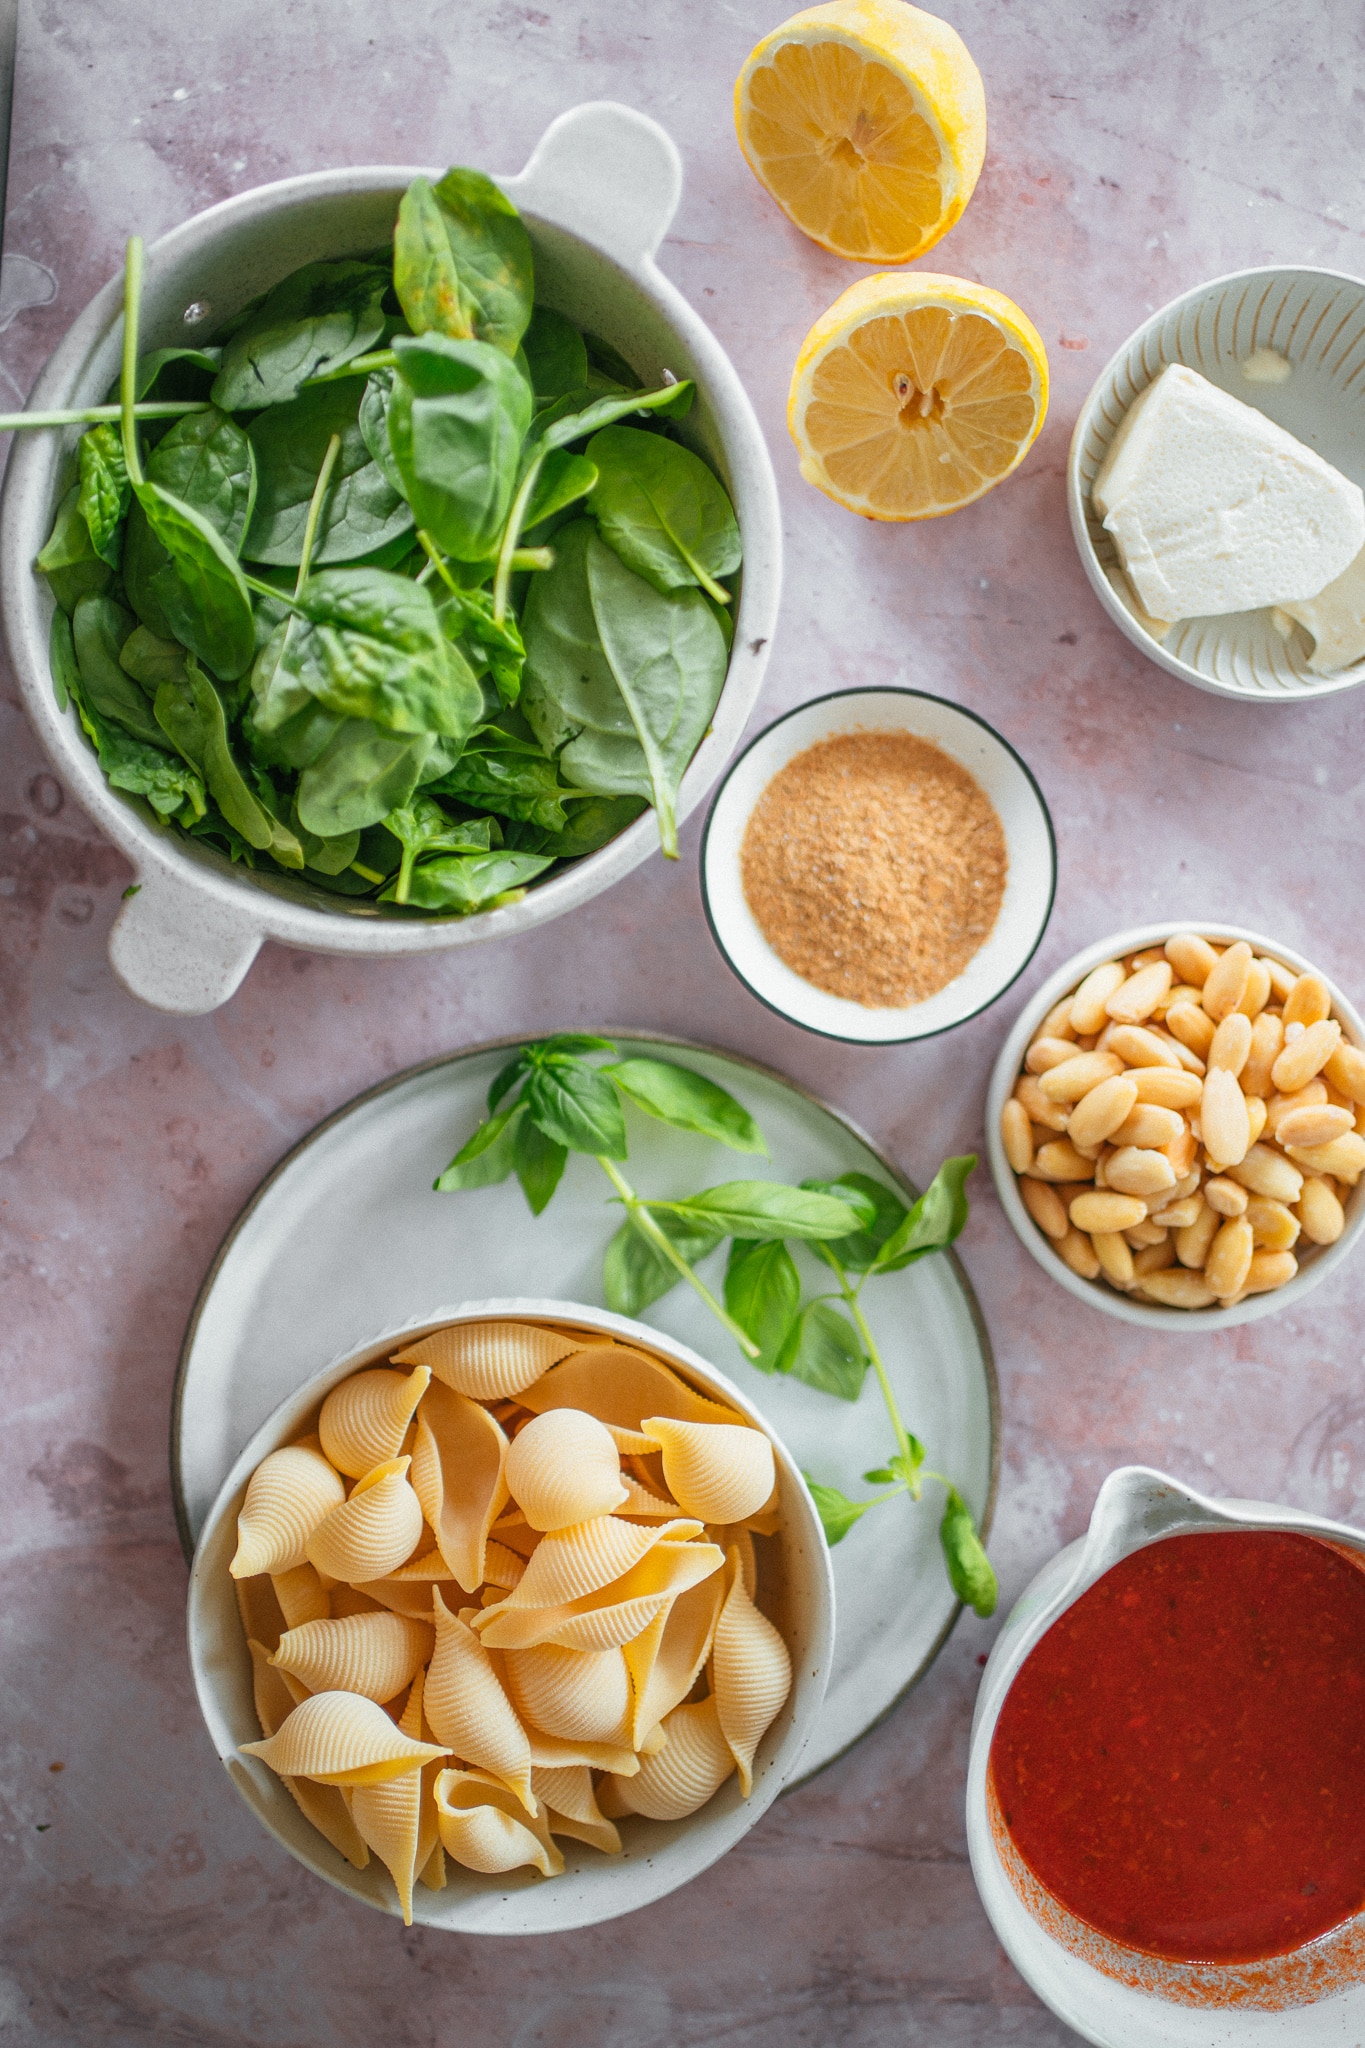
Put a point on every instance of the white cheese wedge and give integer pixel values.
(1336, 620)
(1215, 509)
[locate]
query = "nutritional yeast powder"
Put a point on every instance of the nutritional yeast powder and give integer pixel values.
(875, 866)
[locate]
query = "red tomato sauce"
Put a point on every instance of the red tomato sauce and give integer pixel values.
(1181, 1759)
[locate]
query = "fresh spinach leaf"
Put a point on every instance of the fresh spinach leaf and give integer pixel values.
(663, 511)
(200, 591)
(765, 1209)
(191, 714)
(592, 822)
(206, 462)
(462, 261)
(315, 321)
(678, 1096)
(422, 827)
(635, 1272)
(68, 559)
(99, 626)
(572, 1103)
(969, 1568)
(467, 616)
(61, 652)
(934, 1222)
(539, 1164)
(150, 660)
(836, 1511)
(105, 492)
(172, 788)
(360, 775)
(510, 777)
(362, 511)
(556, 355)
(823, 1349)
(143, 559)
(369, 645)
(607, 366)
(578, 413)
(763, 1294)
(457, 416)
(561, 481)
(470, 881)
(487, 1157)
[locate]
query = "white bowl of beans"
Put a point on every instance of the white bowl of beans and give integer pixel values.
(1176, 1126)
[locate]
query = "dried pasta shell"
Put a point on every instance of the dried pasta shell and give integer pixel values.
(302, 1595)
(433, 1871)
(570, 1563)
(563, 1468)
(289, 1494)
(364, 1420)
(258, 1605)
(630, 1442)
(664, 1661)
(687, 1771)
(411, 1597)
(479, 1831)
(374, 1531)
(751, 1673)
(338, 1738)
(571, 1807)
(715, 1471)
(489, 1361)
(468, 1709)
(323, 1805)
(350, 1600)
(610, 1617)
(581, 1696)
(513, 1529)
(553, 1753)
(459, 1458)
(642, 1504)
(728, 1536)
(620, 1387)
(373, 1654)
(398, 1818)
(502, 1567)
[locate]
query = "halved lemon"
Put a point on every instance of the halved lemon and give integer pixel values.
(866, 120)
(915, 394)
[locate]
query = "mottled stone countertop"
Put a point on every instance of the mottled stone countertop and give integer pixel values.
(1134, 152)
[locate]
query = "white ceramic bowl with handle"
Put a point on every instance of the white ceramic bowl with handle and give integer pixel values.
(1112, 1995)
(1315, 1261)
(796, 1589)
(1315, 320)
(597, 197)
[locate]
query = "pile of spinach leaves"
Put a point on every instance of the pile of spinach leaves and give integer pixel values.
(404, 584)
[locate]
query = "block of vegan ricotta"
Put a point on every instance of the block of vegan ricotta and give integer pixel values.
(1214, 508)
(1336, 620)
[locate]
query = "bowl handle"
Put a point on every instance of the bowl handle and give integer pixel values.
(607, 173)
(179, 950)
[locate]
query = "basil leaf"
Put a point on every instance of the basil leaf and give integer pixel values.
(556, 354)
(574, 1105)
(206, 461)
(634, 1270)
(507, 1077)
(99, 628)
(200, 590)
(969, 1568)
(540, 1164)
(471, 881)
(369, 645)
(660, 508)
(568, 1041)
(68, 559)
(883, 1212)
(360, 775)
(766, 1209)
(836, 1511)
(581, 412)
(456, 420)
(934, 1222)
(462, 260)
(823, 1349)
(313, 322)
(191, 714)
(362, 510)
(105, 492)
(487, 1157)
(688, 1101)
(763, 1294)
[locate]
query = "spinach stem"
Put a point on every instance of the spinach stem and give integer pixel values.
(315, 504)
(436, 562)
(366, 874)
(511, 533)
(708, 583)
(92, 415)
(132, 307)
(645, 1224)
(533, 558)
(359, 366)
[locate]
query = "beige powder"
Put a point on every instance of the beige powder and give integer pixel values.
(875, 866)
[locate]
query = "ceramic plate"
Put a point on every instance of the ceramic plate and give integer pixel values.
(346, 1238)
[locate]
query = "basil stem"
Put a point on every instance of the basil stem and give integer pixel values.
(644, 1222)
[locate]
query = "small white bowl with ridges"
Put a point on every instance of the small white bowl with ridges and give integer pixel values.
(1030, 883)
(1315, 1261)
(1314, 318)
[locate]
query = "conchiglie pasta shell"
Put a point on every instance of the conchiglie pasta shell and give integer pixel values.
(364, 1420)
(479, 1832)
(374, 1531)
(373, 1654)
(302, 1595)
(581, 1696)
(664, 1661)
(468, 1710)
(728, 1536)
(433, 1871)
(566, 1795)
(398, 1818)
(411, 1597)
(459, 1460)
(502, 1567)
(350, 1600)
(258, 1605)
(563, 1468)
(322, 1805)
(571, 1563)
(686, 1772)
(768, 1520)
(611, 1616)
(620, 1387)
(553, 1753)
(289, 1494)
(630, 1442)
(489, 1361)
(643, 1505)
(751, 1673)
(341, 1739)
(513, 1529)
(715, 1471)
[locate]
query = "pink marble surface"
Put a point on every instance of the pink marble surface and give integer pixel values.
(1133, 153)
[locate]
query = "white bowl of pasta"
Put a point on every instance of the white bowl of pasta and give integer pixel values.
(625, 1686)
